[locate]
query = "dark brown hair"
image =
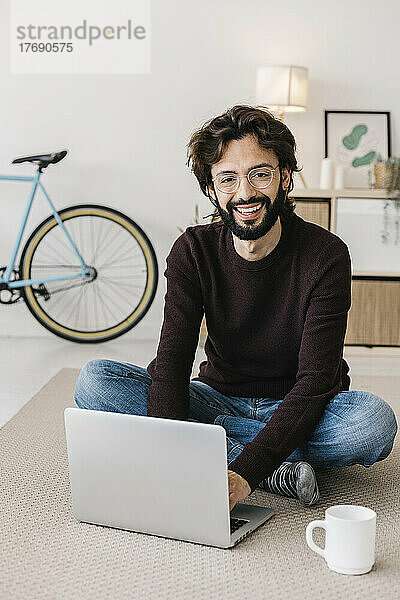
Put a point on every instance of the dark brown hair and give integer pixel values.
(207, 145)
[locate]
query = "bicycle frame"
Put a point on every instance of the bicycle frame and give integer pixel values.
(25, 282)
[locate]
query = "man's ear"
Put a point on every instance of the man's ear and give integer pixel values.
(285, 178)
(210, 192)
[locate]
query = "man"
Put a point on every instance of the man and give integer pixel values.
(275, 291)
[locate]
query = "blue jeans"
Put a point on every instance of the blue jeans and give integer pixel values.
(357, 427)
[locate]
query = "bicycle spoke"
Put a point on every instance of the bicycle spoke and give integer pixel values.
(116, 251)
(57, 254)
(97, 245)
(117, 286)
(108, 247)
(56, 299)
(64, 239)
(101, 304)
(95, 306)
(118, 259)
(102, 243)
(120, 285)
(112, 302)
(109, 309)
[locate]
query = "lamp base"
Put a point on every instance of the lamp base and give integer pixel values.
(303, 181)
(281, 117)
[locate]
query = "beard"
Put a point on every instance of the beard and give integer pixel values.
(249, 231)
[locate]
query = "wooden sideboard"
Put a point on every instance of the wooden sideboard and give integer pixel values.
(374, 316)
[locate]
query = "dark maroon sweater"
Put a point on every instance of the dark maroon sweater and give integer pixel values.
(276, 328)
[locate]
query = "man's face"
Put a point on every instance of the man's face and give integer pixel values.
(240, 157)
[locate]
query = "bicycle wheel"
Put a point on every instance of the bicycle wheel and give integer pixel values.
(123, 281)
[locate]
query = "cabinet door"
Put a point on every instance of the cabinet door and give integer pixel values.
(374, 316)
(314, 211)
(370, 228)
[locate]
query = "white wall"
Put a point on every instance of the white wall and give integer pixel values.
(118, 128)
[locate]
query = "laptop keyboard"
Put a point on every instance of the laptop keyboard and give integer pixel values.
(236, 524)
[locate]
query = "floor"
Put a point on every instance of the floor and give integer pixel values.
(28, 363)
(46, 553)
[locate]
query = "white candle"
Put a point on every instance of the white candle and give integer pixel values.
(339, 177)
(326, 180)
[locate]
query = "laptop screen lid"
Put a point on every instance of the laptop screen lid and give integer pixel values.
(158, 476)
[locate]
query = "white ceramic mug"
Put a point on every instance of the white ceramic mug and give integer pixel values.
(349, 538)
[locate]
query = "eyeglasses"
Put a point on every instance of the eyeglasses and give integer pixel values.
(259, 178)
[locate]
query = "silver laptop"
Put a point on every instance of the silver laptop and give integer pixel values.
(156, 476)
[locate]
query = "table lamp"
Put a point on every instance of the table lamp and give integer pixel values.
(282, 89)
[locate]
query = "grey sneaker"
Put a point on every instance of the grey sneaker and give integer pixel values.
(295, 480)
(306, 484)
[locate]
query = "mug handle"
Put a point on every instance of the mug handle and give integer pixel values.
(309, 536)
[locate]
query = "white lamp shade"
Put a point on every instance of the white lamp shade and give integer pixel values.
(282, 88)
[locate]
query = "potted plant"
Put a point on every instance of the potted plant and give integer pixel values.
(387, 176)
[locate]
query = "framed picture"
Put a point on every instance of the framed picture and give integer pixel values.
(354, 139)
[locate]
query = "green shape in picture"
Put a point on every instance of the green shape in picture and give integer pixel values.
(360, 161)
(352, 140)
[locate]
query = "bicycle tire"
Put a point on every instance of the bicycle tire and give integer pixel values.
(72, 334)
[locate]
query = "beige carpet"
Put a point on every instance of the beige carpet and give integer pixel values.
(46, 553)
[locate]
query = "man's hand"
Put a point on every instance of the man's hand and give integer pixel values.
(239, 489)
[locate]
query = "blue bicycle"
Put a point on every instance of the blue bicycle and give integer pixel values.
(88, 273)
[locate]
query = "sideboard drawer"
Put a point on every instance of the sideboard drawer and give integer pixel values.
(374, 316)
(314, 211)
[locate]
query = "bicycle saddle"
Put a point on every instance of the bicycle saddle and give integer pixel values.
(43, 160)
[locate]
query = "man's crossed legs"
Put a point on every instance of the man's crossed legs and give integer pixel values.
(357, 427)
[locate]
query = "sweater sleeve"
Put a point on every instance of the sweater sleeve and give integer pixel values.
(170, 370)
(318, 377)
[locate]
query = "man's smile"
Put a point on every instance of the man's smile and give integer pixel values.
(250, 211)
